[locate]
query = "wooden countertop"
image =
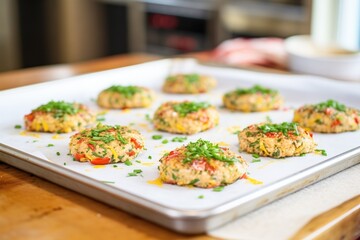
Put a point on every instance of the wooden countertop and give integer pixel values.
(33, 208)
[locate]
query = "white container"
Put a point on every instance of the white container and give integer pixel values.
(305, 57)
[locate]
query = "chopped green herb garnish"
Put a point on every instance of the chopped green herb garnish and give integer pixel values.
(149, 157)
(64, 163)
(50, 145)
(284, 128)
(201, 196)
(255, 89)
(138, 161)
(128, 163)
(59, 108)
(58, 153)
(302, 154)
(157, 137)
(127, 91)
(115, 166)
(148, 118)
(322, 151)
(330, 104)
(135, 172)
(100, 119)
(185, 108)
(165, 141)
(218, 189)
(179, 139)
(17, 126)
(205, 149)
(268, 119)
(192, 182)
(319, 121)
(256, 158)
(191, 78)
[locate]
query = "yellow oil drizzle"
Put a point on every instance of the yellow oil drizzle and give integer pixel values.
(234, 129)
(145, 126)
(268, 163)
(223, 144)
(56, 137)
(126, 110)
(29, 134)
(159, 146)
(103, 112)
(98, 166)
(147, 164)
(253, 180)
(158, 182)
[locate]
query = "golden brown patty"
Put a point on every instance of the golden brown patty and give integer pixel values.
(106, 144)
(185, 117)
(276, 140)
(119, 97)
(255, 99)
(328, 117)
(59, 117)
(201, 164)
(188, 83)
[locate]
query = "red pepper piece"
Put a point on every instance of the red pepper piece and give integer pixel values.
(100, 161)
(92, 147)
(79, 156)
(136, 143)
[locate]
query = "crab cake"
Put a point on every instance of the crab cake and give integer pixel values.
(188, 83)
(59, 117)
(254, 99)
(185, 117)
(328, 117)
(106, 144)
(119, 97)
(201, 164)
(276, 140)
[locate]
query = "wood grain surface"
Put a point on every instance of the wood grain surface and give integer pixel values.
(33, 208)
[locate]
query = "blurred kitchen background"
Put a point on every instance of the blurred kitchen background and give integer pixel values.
(42, 32)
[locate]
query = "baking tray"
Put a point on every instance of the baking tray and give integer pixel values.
(183, 209)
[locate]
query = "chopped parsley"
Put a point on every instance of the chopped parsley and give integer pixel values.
(330, 104)
(256, 158)
(134, 173)
(205, 149)
(201, 197)
(165, 141)
(126, 91)
(50, 145)
(218, 189)
(268, 119)
(59, 108)
(128, 163)
(17, 126)
(321, 151)
(192, 78)
(179, 139)
(284, 128)
(185, 108)
(192, 182)
(157, 137)
(100, 119)
(149, 157)
(148, 118)
(58, 153)
(255, 89)
(105, 134)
